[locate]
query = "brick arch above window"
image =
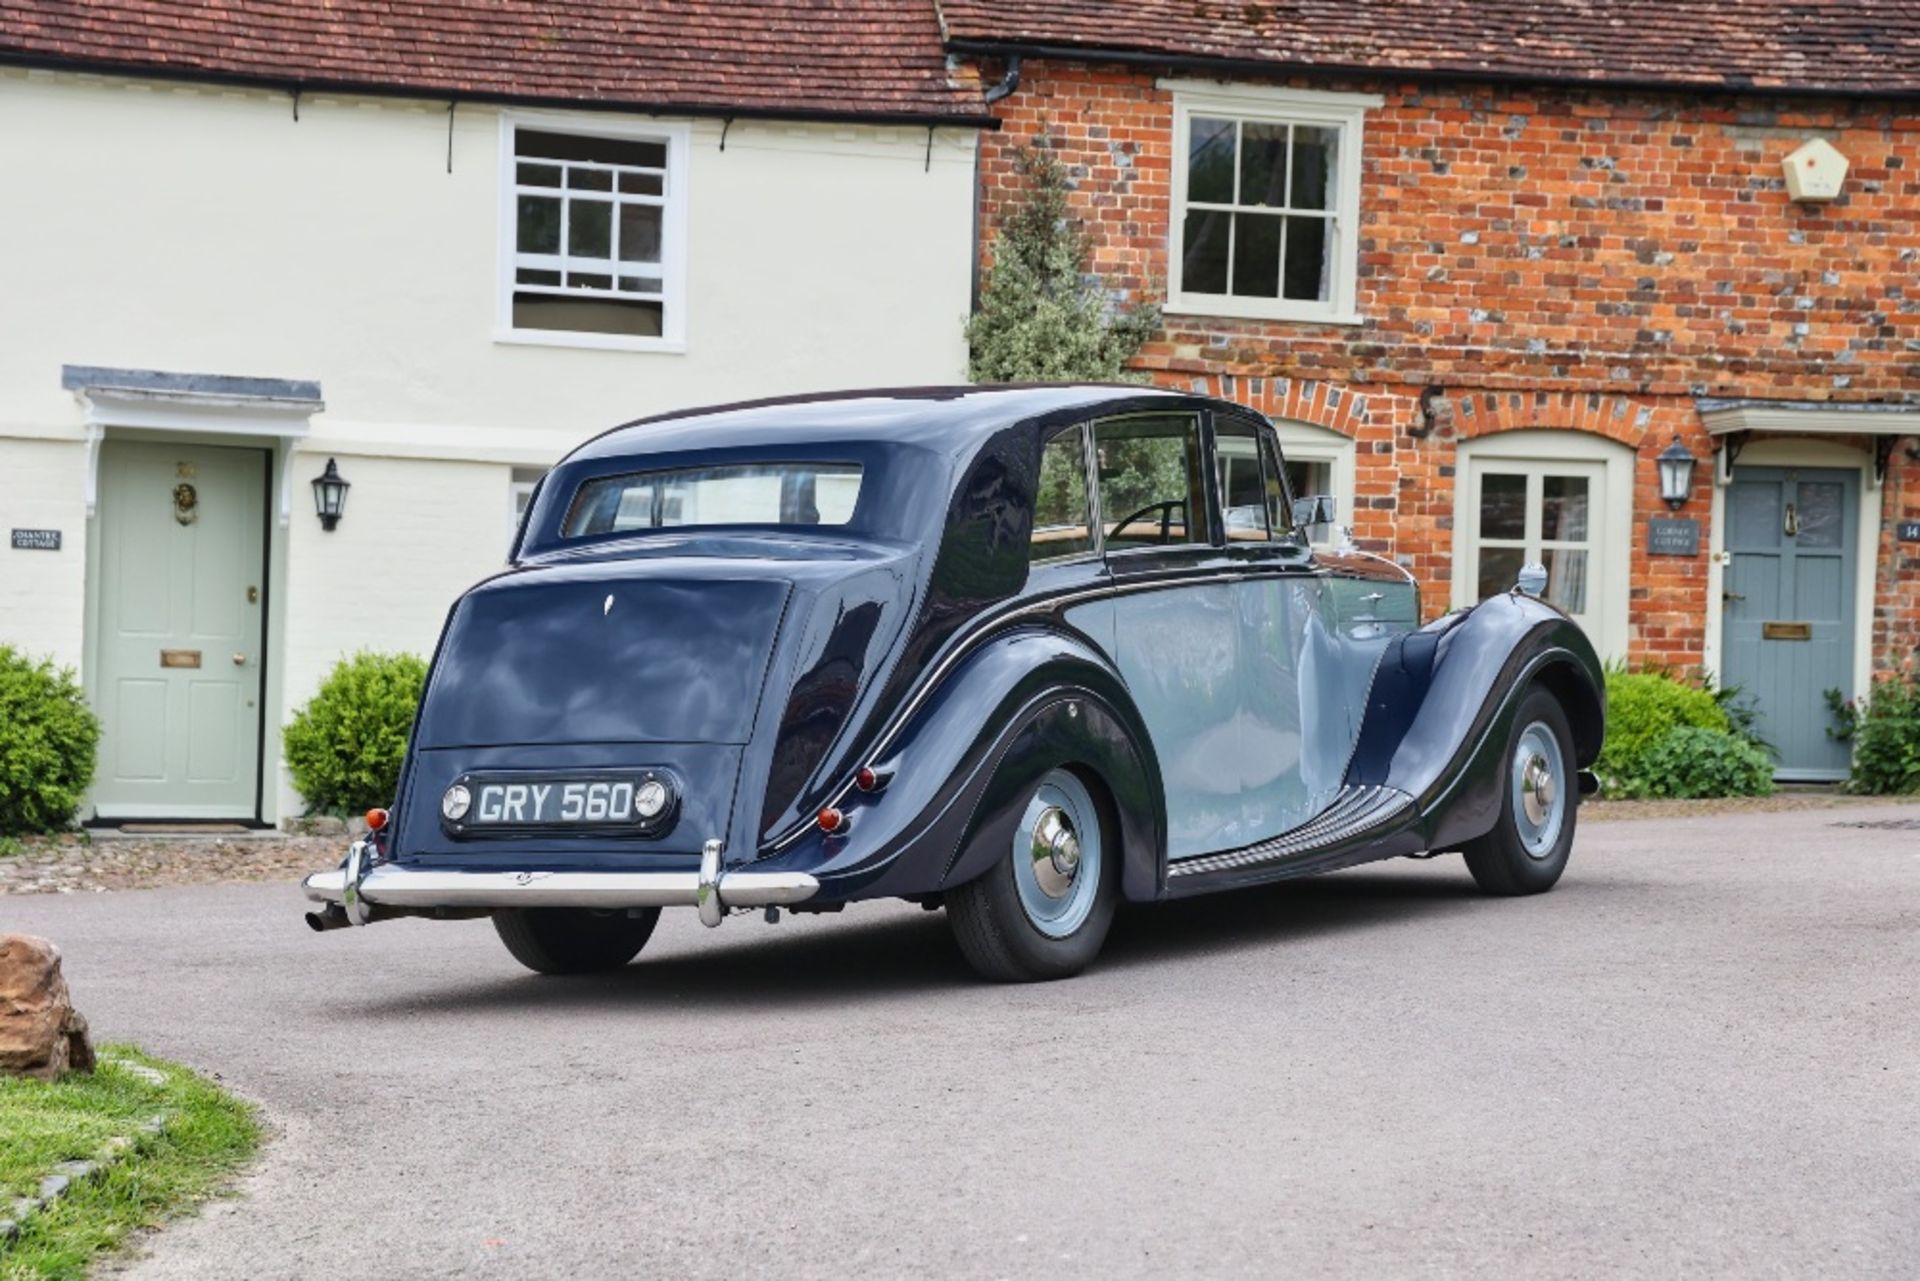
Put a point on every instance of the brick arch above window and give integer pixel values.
(1472, 415)
(1331, 405)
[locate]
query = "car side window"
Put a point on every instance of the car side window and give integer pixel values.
(1243, 492)
(1151, 493)
(1062, 523)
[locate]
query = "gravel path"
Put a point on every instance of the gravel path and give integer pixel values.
(78, 865)
(75, 864)
(1778, 803)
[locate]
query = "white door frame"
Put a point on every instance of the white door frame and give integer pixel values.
(218, 416)
(1800, 451)
(1613, 539)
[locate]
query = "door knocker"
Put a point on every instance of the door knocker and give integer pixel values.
(186, 503)
(1791, 526)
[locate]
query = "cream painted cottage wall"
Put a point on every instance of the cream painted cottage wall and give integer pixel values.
(164, 226)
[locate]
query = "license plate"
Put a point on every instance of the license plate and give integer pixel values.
(640, 801)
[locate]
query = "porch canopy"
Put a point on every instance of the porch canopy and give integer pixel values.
(1732, 423)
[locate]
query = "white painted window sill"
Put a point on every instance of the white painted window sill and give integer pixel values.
(587, 341)
(1238, 309)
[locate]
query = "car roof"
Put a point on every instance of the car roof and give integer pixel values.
(944, 419)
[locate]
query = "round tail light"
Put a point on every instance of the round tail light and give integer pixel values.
(832, 820)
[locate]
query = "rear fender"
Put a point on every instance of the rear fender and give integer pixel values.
(1025, 702)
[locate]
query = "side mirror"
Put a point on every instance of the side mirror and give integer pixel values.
(1315, 510)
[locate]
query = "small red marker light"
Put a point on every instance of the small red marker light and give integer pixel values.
(376, 820)
(832, 820)
(866, 780)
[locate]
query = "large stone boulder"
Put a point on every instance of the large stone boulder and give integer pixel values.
(41, 1034)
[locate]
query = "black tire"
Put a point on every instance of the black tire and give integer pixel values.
(1502, 861)
(574, 940)
(995, 931)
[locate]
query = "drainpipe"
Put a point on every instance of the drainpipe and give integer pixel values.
(1008, 83)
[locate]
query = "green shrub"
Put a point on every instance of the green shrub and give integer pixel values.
(1884, 728)
(1641, 708)
(1688, 761)
(48, 739)
(346, 746)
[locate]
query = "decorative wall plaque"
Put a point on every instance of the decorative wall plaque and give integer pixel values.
(1673, 536)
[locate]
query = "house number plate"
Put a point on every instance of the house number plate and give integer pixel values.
(1786, 631)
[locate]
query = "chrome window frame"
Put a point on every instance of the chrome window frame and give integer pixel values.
(1203, 429)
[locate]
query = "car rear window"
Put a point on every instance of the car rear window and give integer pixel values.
(735, 494)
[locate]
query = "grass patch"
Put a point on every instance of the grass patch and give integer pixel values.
(208, 1135)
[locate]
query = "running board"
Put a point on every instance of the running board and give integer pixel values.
(1355, 812)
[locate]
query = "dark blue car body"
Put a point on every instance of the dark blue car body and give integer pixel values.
(1247, 711)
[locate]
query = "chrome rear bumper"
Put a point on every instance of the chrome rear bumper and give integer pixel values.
(358, 888)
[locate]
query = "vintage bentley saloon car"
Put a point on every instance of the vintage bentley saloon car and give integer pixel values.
(1017, 652)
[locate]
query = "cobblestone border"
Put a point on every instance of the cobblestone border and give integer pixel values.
(67, 1173)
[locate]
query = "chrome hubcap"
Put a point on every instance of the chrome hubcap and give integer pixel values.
(1056, 848)
(1539, 790)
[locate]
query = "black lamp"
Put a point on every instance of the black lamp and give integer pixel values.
(1676, 474)
(330, 495)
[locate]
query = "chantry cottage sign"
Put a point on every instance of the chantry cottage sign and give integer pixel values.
(36, 540)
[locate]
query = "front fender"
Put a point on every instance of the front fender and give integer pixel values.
(1025, 701)
(1443, 701)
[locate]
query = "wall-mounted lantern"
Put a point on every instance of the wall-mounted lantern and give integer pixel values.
(330, 495)
(1676, 474)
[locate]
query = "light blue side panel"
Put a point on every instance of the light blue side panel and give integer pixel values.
(1291, 738)
(1176, 650)
(1253, 691)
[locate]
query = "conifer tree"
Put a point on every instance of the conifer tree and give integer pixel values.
(1043, 316)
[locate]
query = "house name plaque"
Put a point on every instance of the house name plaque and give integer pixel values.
(1673, 536)
(36, 540)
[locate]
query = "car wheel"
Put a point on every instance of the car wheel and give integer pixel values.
(574, 940)
(1539, 799)
(1043, 910)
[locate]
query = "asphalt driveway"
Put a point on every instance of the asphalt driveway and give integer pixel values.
(1700, 1054)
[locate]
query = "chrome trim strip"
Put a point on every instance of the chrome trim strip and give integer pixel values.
(1354, 812)
(388, 885)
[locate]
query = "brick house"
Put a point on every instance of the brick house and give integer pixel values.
(1484, 263)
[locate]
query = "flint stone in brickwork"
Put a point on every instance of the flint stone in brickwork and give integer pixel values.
(41, 1034)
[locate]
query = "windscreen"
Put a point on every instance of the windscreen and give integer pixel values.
(737, 494)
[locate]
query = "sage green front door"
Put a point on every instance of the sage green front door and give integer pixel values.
(1787, 608)
(181, 606)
